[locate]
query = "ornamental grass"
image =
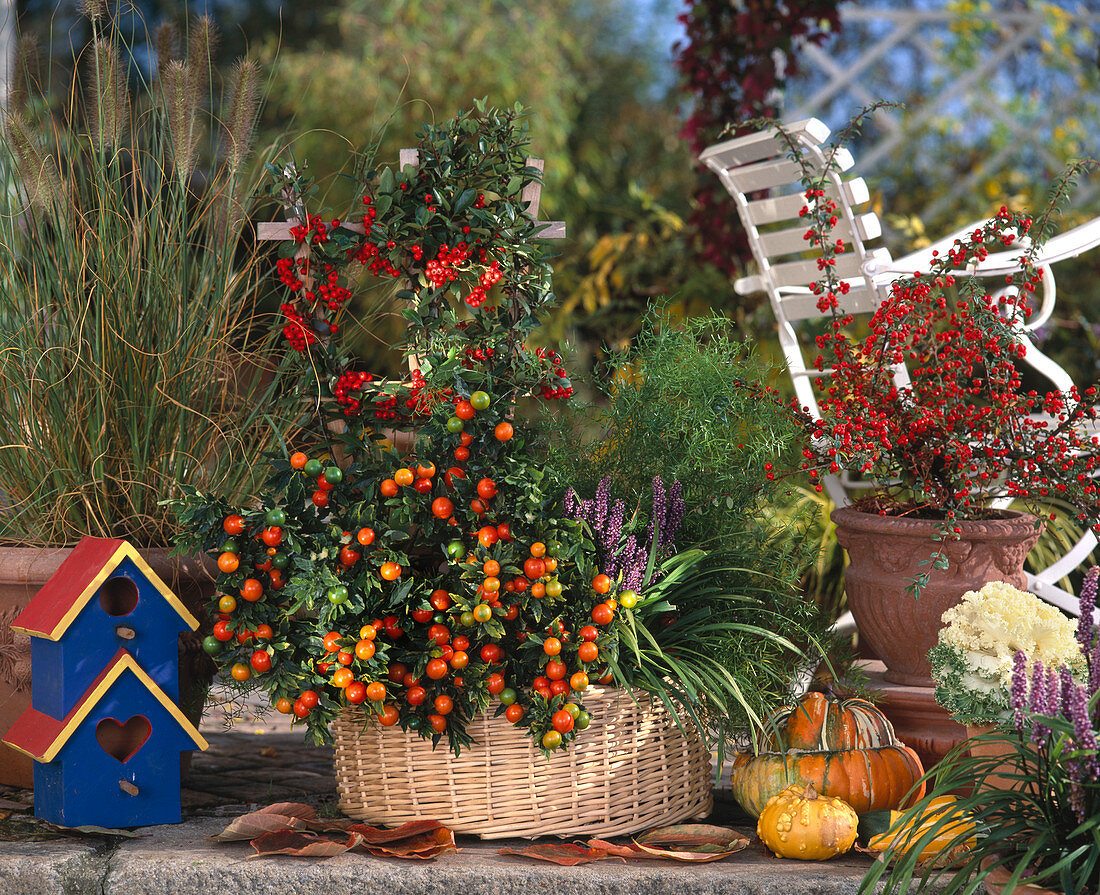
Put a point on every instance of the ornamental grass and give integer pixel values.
(131, 354)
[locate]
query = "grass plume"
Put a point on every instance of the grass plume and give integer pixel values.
(132, 354)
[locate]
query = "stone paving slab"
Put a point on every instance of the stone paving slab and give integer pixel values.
(261, 760)
(181, 860)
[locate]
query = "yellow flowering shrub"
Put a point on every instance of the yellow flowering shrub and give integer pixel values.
(972, 661)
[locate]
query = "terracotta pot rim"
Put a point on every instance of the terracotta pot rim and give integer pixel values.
(1009, 528)
(22, 558)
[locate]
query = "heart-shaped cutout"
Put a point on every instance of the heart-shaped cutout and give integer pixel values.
(123, 740)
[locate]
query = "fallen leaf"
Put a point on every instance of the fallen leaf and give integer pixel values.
(566, 854)
(379, 836)
(289, 809)
(9, 805)
(423, 846)
(92, 830)
(300, 844)
(626, 850)
(271, 819)
(268, 752)
(695, 843)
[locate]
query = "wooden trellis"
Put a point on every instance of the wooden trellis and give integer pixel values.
(276, 231)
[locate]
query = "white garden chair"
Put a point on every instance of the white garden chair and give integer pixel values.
(760, 162)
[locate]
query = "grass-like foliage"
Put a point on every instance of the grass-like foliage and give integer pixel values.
(131, 356)
(688, 404)
(1027, 828)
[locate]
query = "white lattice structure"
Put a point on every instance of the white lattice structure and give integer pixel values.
(1015, 80)
(759, 162)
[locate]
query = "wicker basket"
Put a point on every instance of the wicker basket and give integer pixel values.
(631, 770)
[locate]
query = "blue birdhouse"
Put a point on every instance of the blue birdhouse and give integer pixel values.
(104, 725)
(102, 598)
(114, 759)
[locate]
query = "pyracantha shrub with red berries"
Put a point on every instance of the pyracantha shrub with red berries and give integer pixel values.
(967, 427)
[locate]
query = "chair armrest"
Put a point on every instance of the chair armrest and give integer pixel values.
(1069, 244)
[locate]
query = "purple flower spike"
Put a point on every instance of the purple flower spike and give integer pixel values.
(1086, 626)
(1019, 689)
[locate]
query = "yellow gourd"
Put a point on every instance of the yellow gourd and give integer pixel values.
(799, 823)
(900, 837)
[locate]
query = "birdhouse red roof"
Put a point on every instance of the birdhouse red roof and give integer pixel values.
(42, 736)
(77, 580)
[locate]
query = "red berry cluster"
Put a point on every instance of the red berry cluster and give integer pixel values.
(349, 391)
(486, 281)
(297, 332)
(554, 385)
(444, 268)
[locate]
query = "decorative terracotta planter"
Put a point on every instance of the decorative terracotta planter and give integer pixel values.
(885, 551)
(1004, 749)
(23, 571)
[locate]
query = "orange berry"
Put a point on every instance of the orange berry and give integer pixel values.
(228, 563)
(503, 431)
(252, 590)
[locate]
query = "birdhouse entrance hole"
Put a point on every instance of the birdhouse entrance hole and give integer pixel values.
(122, 741)
(118, 596)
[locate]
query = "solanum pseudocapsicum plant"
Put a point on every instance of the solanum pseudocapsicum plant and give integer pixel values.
(428, 586)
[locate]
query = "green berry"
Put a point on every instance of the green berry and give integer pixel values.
(313, 468)
(480, 400)
(211, 645)
(334, 475)
(275, 517)
(455, 425)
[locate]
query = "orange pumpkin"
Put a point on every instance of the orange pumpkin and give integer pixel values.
(845, 748)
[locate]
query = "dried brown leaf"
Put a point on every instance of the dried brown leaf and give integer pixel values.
(301, 844)
(270, 819)
(565, 854)
(626, 850)
(422, 846)
(379, 836)
(693, 843)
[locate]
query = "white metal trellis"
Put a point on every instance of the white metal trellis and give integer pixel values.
(903, 55)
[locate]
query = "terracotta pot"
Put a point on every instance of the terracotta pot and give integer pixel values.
(885, 551)
(1003, 748)
(23, 572)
